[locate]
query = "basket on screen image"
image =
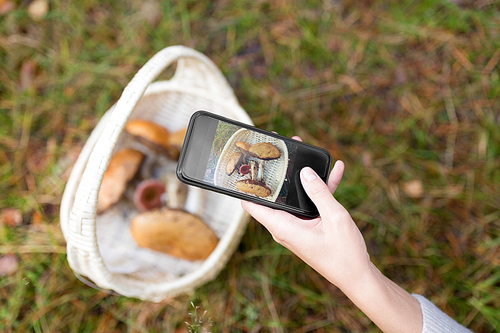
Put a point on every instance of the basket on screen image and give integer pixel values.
(274, 170)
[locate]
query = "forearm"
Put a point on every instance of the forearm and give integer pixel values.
(389, 306)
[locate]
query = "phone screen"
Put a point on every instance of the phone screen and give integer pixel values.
(251, 163)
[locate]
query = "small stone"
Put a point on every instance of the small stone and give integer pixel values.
(11, 217)
(38, 9)
(8, 265)
(414, 188)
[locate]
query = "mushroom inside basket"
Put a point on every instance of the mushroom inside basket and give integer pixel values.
(260, 174)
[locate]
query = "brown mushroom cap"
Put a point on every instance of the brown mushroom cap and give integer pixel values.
(253, 187)
(121, 169)
(177, 138)
(175, 232)
(233, 162)
(265, 151)
(175, 141)
(244, 147)
(152, 135)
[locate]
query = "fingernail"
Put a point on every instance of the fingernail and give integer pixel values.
(309, 174)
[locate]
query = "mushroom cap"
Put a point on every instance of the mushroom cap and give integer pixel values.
(176, 191)
(243, 146)
(151, 134)
(176, 140)
(265, 151)
(148, 195)
(253, 187)
(244, 169)
(122, 167)
(233, 162)
(175, 232)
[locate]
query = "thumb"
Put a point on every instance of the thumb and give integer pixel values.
(318, 191)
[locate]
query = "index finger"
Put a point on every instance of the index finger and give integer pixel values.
(270, 218)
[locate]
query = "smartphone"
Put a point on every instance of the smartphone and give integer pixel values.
(233, 158)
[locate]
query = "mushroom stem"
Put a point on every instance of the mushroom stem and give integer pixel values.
(194, 201)
(176, 192)
(260, 171)
(253, 170)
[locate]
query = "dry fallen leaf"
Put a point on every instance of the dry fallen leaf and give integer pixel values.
(38, 9)
(6, 6)
(36, 218)
(367, 159)
(11, 217)
(8, 264)
(413, 188)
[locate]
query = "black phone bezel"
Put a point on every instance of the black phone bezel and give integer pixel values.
(195, 182)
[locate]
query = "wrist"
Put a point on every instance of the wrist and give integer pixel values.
(389, 306)
(366, 280)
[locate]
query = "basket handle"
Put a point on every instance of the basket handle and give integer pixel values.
(81, 227)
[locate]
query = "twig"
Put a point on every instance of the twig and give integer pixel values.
(270, 303)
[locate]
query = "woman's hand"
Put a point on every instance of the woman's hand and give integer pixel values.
(331, 243)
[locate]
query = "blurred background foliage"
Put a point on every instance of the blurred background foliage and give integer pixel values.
(405, 92)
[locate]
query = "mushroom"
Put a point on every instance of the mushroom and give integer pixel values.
(121, 169)
(244, 169)
(149, 195)
(244, 147)
(153, 136)
(233, 162)
(260, 171)
(265, 151)
(253, 170)
(253, 187)
(173, 230)
(176, 191)
(176, 141)
(154, 166)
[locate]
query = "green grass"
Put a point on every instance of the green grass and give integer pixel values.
(222, 136)
(400, 91)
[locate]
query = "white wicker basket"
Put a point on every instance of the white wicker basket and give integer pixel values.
(101, 247)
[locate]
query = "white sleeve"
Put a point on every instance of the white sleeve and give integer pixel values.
(435, 320)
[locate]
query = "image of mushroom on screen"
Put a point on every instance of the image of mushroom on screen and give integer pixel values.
(250, 162)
